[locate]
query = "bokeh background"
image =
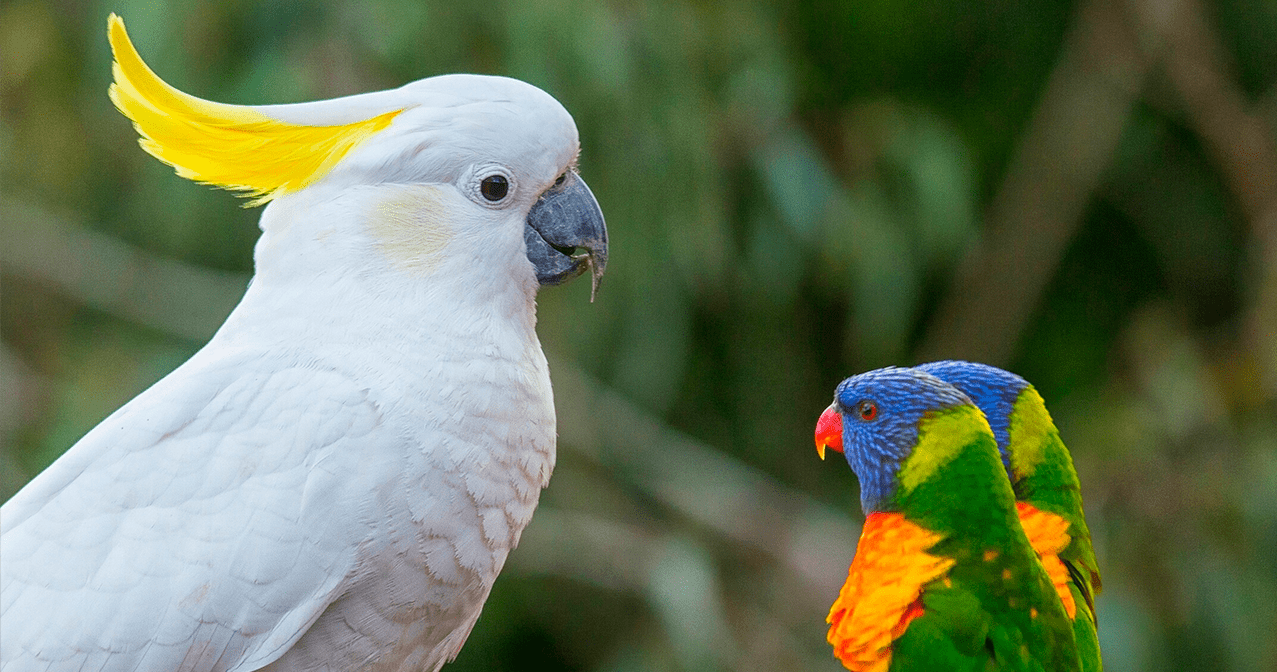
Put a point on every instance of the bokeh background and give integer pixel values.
(1083, 192)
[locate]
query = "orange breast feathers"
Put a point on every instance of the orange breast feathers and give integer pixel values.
(883, 590)
(1048, 535)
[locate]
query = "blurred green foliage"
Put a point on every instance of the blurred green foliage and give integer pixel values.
(796, 192)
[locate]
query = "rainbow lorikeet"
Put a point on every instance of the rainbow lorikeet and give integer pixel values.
(1047, 492)
(943, 577)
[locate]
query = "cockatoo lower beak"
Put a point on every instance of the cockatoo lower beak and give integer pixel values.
(829, 431)
(565, 234)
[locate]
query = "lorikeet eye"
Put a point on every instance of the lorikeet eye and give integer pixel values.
(867, 410)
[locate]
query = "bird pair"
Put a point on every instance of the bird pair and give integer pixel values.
(975, 554)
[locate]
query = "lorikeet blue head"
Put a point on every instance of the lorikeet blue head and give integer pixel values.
(994, 390)
(874, 422)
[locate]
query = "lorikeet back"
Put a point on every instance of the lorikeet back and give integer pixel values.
(944, 577)
(1047, 490)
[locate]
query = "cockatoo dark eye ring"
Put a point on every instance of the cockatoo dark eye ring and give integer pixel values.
(494, 187)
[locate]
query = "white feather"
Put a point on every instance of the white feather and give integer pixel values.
(336, 479)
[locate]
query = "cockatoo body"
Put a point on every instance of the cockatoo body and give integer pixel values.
(335, 480)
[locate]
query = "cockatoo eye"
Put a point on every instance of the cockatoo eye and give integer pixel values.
(867, 410)
(494, 187)
(558, 181)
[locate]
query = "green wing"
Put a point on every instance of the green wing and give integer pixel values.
(1053, 486)
(996, 609)
(970, 624)
(1044, 476)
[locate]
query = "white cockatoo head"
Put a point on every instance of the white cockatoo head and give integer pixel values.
(430, 176)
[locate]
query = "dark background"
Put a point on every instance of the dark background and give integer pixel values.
(796, 192)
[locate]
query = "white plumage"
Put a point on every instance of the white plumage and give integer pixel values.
(334, 481)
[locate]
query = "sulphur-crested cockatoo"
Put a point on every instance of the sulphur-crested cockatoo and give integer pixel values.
(335, 480)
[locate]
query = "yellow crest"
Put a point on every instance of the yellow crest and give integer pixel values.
(229, 146)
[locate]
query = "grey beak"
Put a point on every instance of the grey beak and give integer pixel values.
(565, 234)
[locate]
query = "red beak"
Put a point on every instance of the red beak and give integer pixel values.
(828, 431)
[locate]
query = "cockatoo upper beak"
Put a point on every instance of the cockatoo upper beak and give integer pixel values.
(829, 431)
(565, 234)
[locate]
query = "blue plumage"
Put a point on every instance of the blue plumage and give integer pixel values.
(992, 389)
(901, 397)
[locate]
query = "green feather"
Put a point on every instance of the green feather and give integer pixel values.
(983, 618)
(1043, 475)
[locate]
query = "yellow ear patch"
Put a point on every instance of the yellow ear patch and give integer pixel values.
(410, 227)
(229, 146)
